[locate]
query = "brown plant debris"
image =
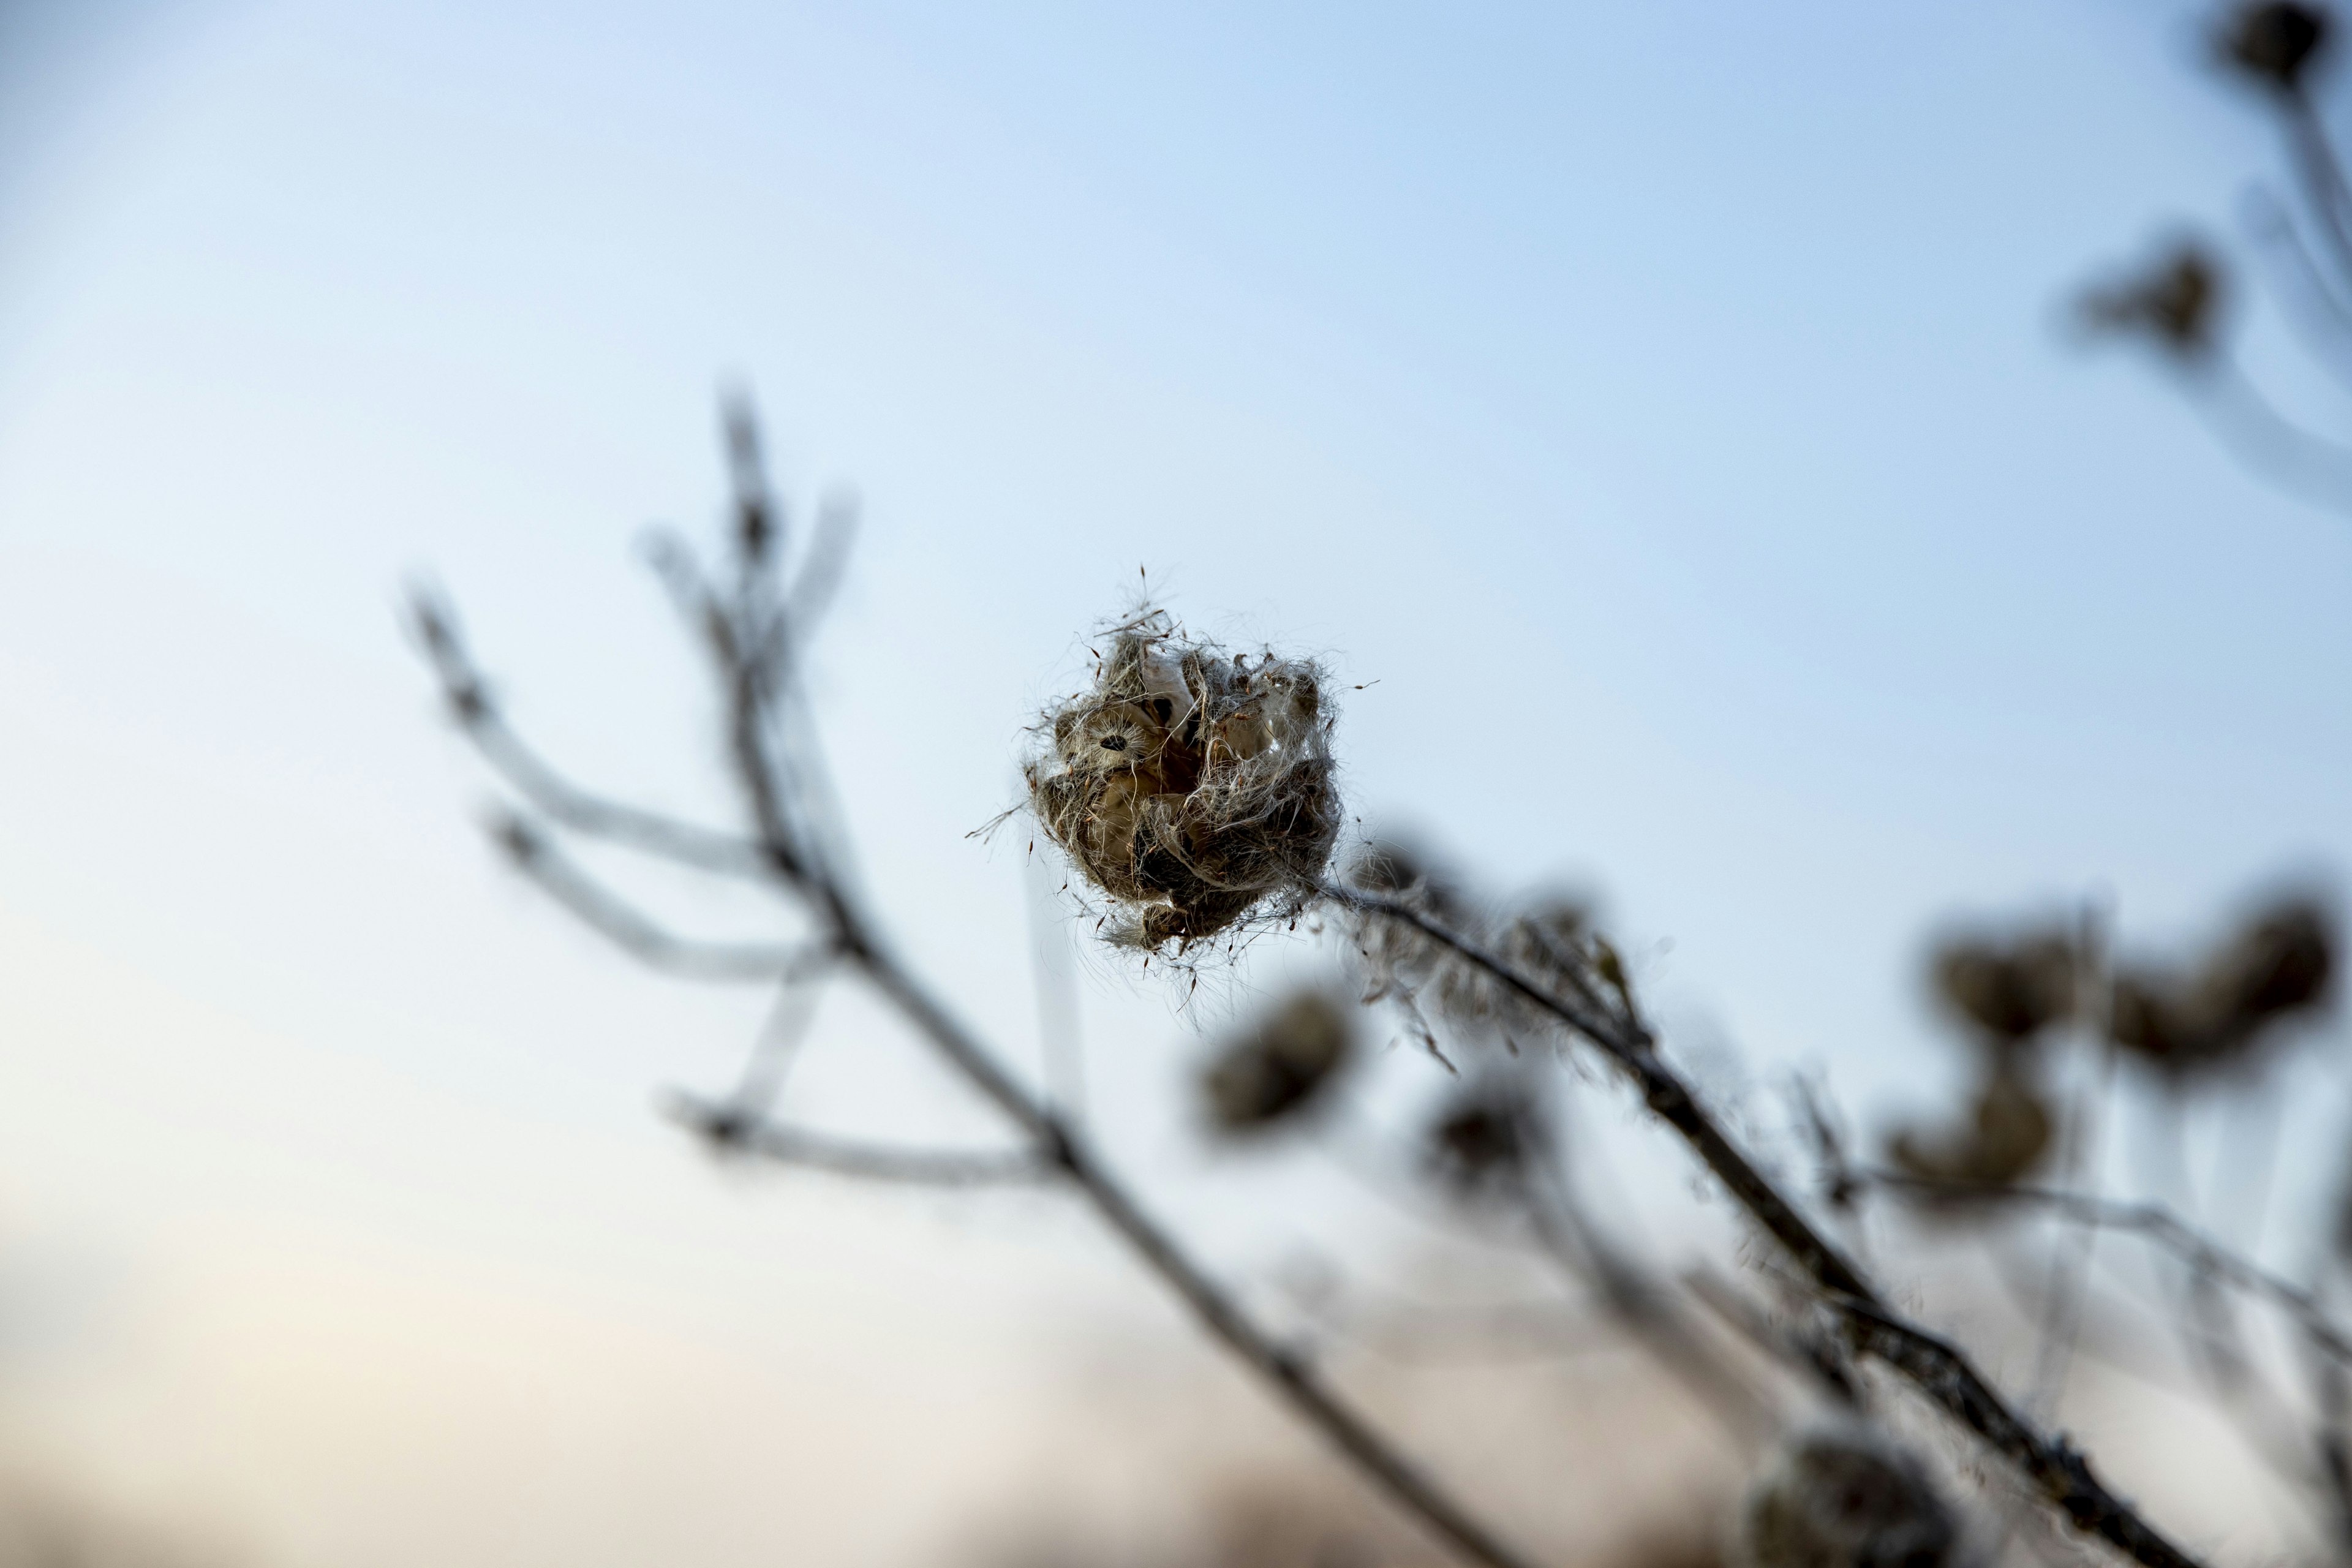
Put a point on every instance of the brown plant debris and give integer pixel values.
(1847, 1497)
(2273, 42)
(2282, 962)
(1483, 1141)
(2006, 1134)
(1191, 787)
(2174, 302)
(1275, 1071)
(2009, 990)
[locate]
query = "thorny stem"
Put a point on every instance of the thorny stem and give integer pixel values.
(1938, 1369)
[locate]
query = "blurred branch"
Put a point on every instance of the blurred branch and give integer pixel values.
(616, 918)
(729, 1128)
(434, 626)
(1938, 1370)
(1645, 1307)
(2161, 1227)
(1822, 1362)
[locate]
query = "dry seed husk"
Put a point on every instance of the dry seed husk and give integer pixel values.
(1192, 788)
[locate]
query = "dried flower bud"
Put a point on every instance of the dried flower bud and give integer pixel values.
(1483, 1141)
(1846, 1497)
(2275, 43)
(2282, 964)
(1192, 788)
(2175, 303)
(2011, 991)
(1276, 1071)
(2006, 1134)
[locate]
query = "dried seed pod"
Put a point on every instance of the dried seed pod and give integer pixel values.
(1847, 1497)
(1275, 1071)
(1192, 788)
(2011, 991)
(2150, 1016)
(2008, 1132)
(1482, 1140)
(2282, 962)
(2275, 43)
(2175, 303)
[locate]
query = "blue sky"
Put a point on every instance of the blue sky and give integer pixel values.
(1667, 405)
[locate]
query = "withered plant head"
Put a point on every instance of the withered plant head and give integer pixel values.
(1275, 1071)
(2009, 990)
(1485, 1140)
(1847, 1497)
(1191, 787)
(2280, 964)
(2174, 302)
(1551, 939)
(2006, 1134)
(2276, 44)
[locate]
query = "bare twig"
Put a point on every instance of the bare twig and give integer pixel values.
(434, 626)
(1645, 1307)
(729, 1128)
(1824, 1363)
(626, 927)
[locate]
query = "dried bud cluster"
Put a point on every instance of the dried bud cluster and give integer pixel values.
(1191, 787)
(2282, 964)
(1276, 1071)
(2275, 43)
(2011, 991)
(1483, 1141)
(2175, 303)
(2007, 1134)
(1846, 1497)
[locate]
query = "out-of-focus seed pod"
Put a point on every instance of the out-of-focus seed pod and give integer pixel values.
(2175, 303)
(1847, 1497)
(2275, 43)
(2011, 991)
(2008, 1134)
(1482, 1140)
(2282, 964)
(1276, 1071)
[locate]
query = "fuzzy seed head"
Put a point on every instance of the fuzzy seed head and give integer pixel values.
(1191, 787)
(1846, 1497)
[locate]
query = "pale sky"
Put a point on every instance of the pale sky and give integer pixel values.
(1667, 405)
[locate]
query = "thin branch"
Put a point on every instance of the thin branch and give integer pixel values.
(730, 1129)
(617, 921)
(1823, 1364)
(2165, 1228)
(1941, 1371)
(1938, 1370)
(2322, 174)
(1567, 1236)
(479, 718)
(2266, 441)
